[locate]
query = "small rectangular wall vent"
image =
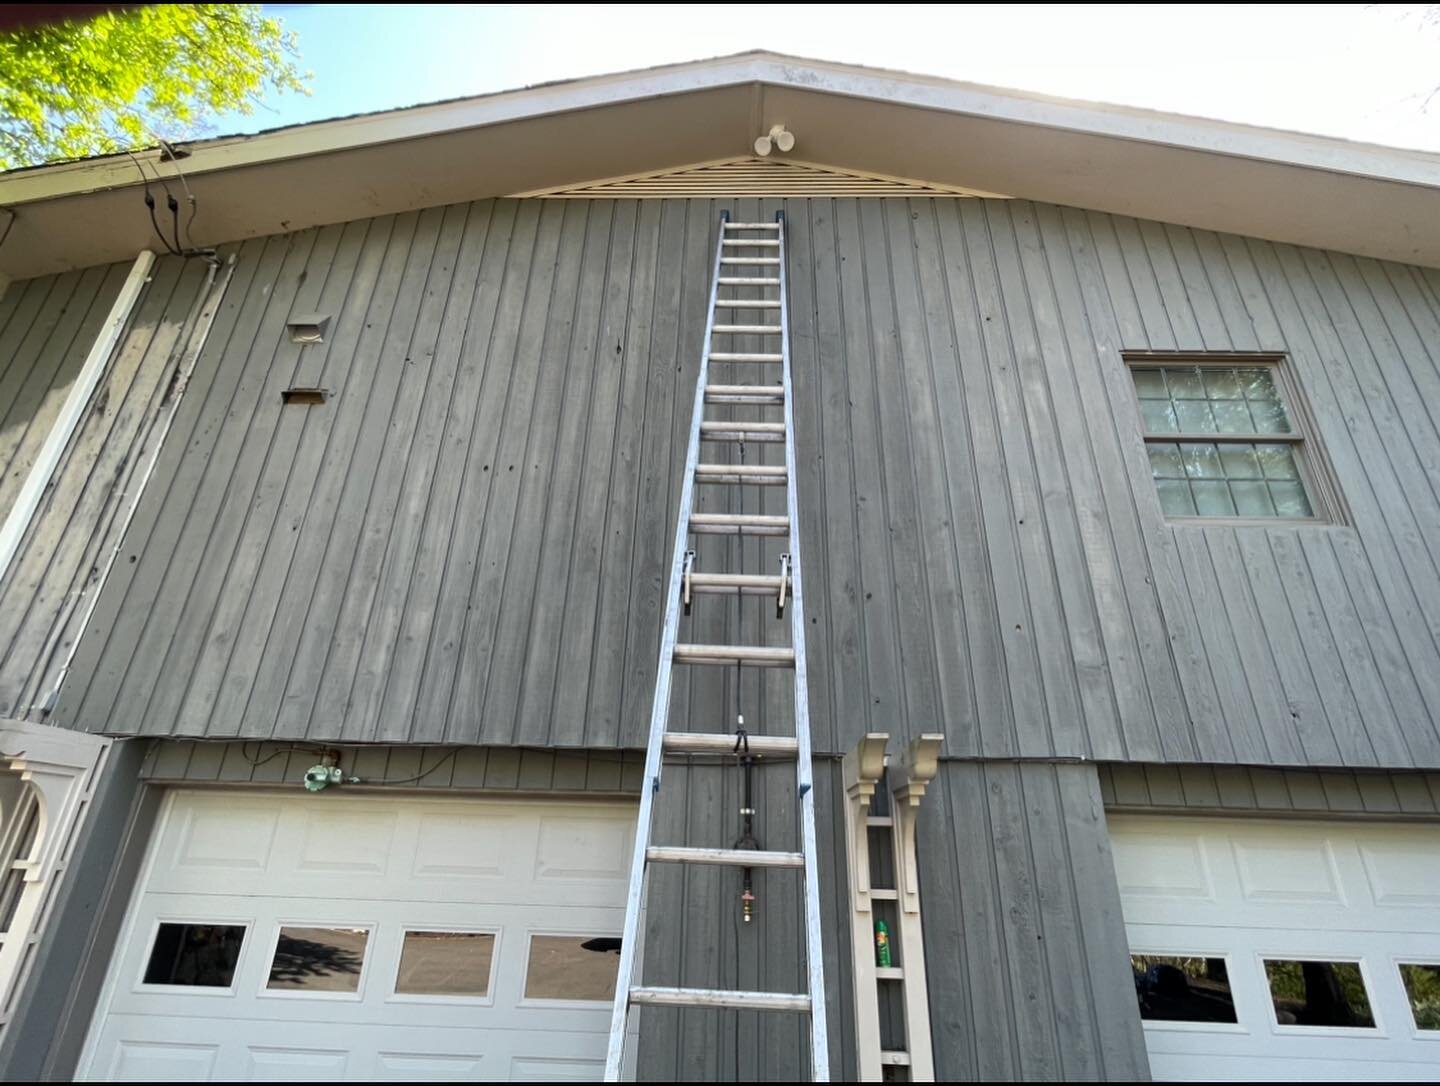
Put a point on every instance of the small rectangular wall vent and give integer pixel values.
(309, 328)
(305, 396)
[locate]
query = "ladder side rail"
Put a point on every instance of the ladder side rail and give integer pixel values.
(804, 773)
(660, 710)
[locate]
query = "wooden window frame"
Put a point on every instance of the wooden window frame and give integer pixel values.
(1316, 474)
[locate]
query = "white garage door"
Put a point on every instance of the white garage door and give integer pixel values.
(1278, 950)
(366, 937)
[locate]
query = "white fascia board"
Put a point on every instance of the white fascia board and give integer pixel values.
(1097, 119)
(921, 92)
(90, 175)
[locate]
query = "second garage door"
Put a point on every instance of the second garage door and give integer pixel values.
(367, 937)
(1269, 950)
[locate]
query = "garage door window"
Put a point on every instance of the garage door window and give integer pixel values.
(318, 960)
(1422, 987)
(195, 955)
(1318, 993)
(1178, 988)
(446, 963)
(572, 967)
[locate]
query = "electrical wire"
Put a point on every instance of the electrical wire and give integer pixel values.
(419, 776)
(9, 224)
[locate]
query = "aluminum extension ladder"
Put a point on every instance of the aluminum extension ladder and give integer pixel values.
(752, 278)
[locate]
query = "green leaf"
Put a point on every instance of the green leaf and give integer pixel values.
(127, 78)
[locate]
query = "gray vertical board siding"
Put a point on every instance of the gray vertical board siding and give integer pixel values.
(77, 525)
(611, 772)
(1025, 946)
(1253, 790)
(467, 542)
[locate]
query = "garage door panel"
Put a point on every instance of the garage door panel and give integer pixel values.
(378, 973)
(1303, 906)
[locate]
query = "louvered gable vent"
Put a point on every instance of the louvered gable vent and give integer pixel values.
(750, 176)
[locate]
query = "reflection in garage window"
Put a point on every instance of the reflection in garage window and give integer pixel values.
(1422, 985)
(197, 955)
(1182, 989)
(445, 963)
(318, 959)
(1319, 994)
(572, 967)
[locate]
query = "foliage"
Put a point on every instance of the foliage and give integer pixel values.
(1422, 985)
(124, 78)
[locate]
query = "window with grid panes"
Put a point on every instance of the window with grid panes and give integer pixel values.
(1222, 440)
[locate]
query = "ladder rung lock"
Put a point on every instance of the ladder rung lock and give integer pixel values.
(753, 655)
(895, 1059)
(746, 243)
(750, 260)
(884, 895)
(715, 997)
(745, 281)
(748, 584)
(715, 743)
(889, 972)
(747, 330)
(738, 524)
(724, 857)
(752, 226)
(744, 356)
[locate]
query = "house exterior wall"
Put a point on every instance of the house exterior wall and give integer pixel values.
(454, 547)
(465, 547)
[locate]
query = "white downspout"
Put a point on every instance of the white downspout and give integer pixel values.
(12, 533)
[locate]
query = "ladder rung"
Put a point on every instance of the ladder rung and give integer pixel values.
(744, 356)
(724, 857)
(747, 303)
(754, 474)
(752, 655)
(738, 524)
(747, 584)
(889, 972)
(895, 1059)
(746, 243)
(879, 894)
(742, 431)
(746, 281)
(879, 821)
(752, 226)
(714, 743)
(750, 260)
(751, 394)
(716, 997)
(746, 330)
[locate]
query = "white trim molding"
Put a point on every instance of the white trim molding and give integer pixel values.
(61, 768)
(866, 769)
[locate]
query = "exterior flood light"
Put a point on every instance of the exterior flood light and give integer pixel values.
(779, 137)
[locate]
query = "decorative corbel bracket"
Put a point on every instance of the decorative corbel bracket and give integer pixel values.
(863, 767)
(918, 766)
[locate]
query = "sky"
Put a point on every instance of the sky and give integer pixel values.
(1363, 72)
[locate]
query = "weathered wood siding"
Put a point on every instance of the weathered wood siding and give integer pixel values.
(1025, 945)
(47, 327)
(1309, 793)
(467, 542)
